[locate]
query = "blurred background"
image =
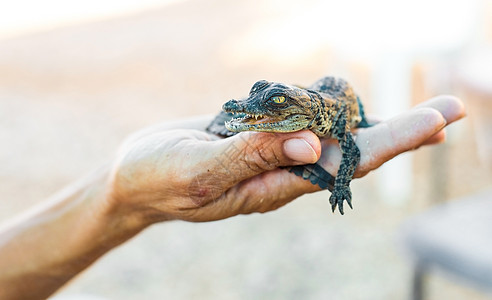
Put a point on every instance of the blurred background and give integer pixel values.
(77, 77)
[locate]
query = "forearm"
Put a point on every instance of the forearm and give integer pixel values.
(44, 248)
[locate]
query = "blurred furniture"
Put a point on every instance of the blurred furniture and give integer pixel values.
(456, 238)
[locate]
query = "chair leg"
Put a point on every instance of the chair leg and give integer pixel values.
(418, 287)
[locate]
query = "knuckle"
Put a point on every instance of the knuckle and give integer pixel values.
(262, 154)
(261, 159)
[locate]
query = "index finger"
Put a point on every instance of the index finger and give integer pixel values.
(451, 108)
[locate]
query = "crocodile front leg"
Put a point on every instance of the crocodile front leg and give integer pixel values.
(350, 160)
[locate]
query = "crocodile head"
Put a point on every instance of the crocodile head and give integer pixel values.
(272, 107)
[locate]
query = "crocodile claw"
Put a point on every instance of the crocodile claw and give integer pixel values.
(337, 197)
(349, 202)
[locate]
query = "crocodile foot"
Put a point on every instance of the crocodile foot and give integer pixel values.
(338, 195)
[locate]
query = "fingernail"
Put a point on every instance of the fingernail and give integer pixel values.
(300, 150)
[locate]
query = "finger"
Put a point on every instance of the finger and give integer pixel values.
(271, 190)
(251, 153)
(373, 119)
(438, 138)
(452, 110)
(384, 141)
(450, 107)
(265, 192)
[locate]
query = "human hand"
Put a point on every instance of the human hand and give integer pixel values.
(191, 175)
(164, 173)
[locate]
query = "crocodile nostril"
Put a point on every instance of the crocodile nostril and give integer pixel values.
(231, 106)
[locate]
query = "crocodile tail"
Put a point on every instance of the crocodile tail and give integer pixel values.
(363, 123)
(316, 174)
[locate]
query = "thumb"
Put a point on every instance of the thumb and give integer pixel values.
(250, 153)
(232, 160)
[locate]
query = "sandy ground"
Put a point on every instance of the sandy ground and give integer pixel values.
(68, 98)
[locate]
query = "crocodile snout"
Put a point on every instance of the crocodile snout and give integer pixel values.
(232, 106)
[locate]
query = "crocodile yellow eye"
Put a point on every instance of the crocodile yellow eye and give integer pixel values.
(278, 99)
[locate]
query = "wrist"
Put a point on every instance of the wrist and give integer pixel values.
(120, 219)
(126, 207)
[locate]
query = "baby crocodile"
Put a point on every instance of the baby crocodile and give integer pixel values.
(329, 108)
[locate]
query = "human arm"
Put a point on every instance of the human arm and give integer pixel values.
(166, 174)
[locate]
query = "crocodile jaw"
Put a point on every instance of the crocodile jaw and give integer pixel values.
(267, 124)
